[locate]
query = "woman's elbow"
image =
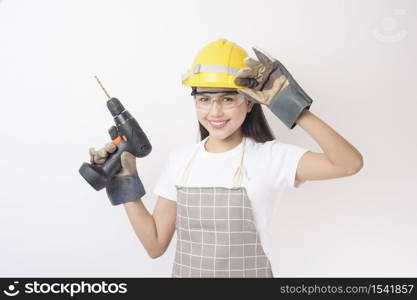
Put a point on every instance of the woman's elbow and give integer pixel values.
(156, 253)
(356, 168)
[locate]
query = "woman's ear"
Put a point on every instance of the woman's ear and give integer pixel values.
(250, 105)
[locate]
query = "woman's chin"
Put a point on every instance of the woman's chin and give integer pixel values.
(219, 135)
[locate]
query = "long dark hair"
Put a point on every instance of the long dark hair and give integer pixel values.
(255, 126)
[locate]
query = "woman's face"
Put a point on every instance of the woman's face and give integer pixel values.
(222, 122)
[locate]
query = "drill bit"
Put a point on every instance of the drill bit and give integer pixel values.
(102, 87)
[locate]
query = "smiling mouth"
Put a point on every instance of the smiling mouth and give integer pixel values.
(218, 124)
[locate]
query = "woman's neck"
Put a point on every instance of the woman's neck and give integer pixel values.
(223, 145)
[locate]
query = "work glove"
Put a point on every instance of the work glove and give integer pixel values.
(124, 186)
(268, 82)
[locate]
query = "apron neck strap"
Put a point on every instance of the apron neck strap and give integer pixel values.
(240, 170)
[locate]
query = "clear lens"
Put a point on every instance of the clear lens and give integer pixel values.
(203, 102)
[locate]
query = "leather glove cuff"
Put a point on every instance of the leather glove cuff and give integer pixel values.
(122, 189)
(289, 104)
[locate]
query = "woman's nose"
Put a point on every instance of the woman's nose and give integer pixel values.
(216, 108)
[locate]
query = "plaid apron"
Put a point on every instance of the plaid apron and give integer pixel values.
(216, 232)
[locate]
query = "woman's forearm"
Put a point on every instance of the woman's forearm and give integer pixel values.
(144, 226)
(338, 150)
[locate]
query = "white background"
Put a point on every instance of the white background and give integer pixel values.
(356, 59)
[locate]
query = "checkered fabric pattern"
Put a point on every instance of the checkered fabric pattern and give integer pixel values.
(216, 235)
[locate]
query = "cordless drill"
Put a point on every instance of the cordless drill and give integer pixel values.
(127, 135)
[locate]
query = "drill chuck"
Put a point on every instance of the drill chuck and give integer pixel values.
(115, 106)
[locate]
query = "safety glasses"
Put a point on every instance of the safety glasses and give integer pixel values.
(227, 99)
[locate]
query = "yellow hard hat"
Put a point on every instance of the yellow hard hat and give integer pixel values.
(216, 65)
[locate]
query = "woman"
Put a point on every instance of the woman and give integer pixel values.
(218, 194)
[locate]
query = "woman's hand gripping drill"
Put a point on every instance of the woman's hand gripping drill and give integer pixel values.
(125, 186)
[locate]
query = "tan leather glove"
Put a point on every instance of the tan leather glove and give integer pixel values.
(127, 160)
(268, 82)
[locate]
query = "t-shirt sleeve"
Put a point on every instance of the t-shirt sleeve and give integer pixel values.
(284, 159)
(165, 185)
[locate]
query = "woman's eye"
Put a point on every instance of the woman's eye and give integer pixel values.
(228, 99)
(202, 99)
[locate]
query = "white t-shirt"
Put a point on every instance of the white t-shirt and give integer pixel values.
(270, 168)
